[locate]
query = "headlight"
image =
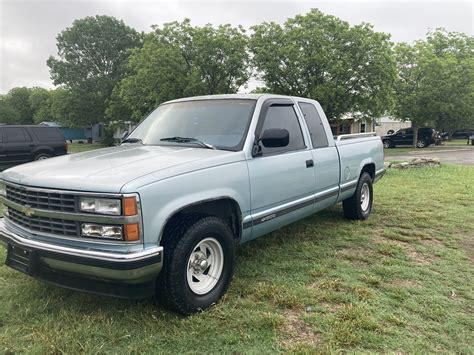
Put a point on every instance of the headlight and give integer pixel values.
(101, 205)
(3, 189)
(101, 231)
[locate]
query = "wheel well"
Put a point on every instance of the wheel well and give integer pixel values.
(224, 208)
(369, 168)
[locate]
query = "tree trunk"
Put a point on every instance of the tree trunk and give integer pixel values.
(414, 126)
(450, 135)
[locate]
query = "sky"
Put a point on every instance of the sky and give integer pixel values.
(28, 28)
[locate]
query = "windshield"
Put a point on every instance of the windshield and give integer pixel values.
(218, 123)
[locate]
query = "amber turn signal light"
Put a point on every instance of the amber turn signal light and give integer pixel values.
(130, 206)
(132, 232)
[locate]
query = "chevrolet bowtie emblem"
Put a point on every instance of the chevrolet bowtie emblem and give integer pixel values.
(28, 210)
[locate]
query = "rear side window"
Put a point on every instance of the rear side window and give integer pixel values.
(15, 134)
(315, 125)
(47, 134)
(283, 117)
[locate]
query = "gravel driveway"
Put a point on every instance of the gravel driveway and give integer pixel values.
(461, 155)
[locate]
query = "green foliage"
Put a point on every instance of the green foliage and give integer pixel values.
(108, 139)
(435, 83)
(109, 72)
(347, 69)
(92, 54)
(40, 103)
(8, 114)
(180, 60)
(15, 107)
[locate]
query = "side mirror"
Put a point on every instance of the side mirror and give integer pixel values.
(275, 137)
(125, 135)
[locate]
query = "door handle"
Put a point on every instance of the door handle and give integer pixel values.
(309, 163)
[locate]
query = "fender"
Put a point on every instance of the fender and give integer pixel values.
(166, 197)
(365, 162)
(196, 203)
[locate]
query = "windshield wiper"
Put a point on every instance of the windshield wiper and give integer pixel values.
(188, 140)
(132, 140)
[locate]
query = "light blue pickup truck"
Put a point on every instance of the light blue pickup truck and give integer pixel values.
(163, 213)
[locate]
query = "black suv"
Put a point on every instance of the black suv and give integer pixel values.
(426, 137)
(21, 144)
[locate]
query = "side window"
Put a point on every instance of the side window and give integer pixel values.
(47, 134)
(284, 117)
(15, 134)
(315, 125)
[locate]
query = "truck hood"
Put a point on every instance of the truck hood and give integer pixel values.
(109, 169)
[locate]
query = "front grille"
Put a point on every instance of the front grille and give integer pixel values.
(42, 200)
(44, 224)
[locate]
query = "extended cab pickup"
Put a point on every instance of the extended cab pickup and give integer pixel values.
(163, 213)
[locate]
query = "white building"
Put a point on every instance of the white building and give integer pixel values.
(350, 125)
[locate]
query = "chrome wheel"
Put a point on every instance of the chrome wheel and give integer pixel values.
(364, 197)
(204, 267)
(386, 144)
(420, 144)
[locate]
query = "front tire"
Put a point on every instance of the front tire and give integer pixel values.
(387, 144)
(198, 265)
(359, 205)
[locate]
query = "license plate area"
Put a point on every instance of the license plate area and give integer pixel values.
(20, 259)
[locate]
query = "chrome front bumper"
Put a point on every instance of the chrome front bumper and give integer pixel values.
(124, 274)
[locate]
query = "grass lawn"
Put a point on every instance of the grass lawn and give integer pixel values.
(456, 142)
(403, 281)
(77, 148)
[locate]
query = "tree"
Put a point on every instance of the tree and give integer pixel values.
(40, 104)
(15, 107)
(435, 81)
(450, 79)
(347, 69)
(92, 54)
(409, 101)
(181, 60)
(8, 114)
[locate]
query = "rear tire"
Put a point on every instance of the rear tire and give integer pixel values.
(421, 144)
(42, 156)
(359, 205)
(198, 265)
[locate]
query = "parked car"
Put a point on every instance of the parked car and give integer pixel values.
(21, 144)
(459, 134)
(426, 137)
(164, 212)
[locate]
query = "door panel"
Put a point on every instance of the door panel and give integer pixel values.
(281, 178)
(18, 145)
(404, 137)
(281, 190)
